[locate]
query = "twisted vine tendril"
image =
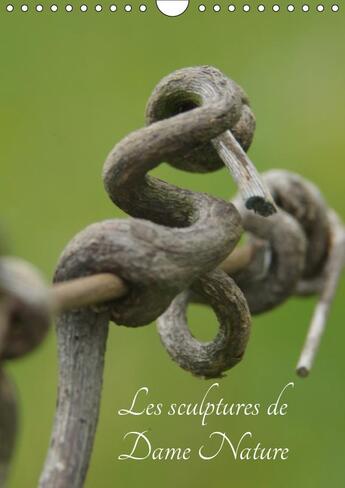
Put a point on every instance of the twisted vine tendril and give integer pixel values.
(178, 247)
(177, 236)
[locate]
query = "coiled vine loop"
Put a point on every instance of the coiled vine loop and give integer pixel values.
(172, 249)
(298, 236)
(177, 247)
(291, 254)
(175, 238)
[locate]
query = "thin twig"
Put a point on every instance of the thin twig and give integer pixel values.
(238, 259)
(333, 271)
(103, 287)
(255, 193)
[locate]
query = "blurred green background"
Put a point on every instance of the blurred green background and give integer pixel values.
(71, 86)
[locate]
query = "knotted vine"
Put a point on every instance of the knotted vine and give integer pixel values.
(178, 247)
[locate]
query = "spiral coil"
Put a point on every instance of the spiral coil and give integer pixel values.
(174, 251)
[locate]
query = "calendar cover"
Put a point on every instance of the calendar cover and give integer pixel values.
(172, 244)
